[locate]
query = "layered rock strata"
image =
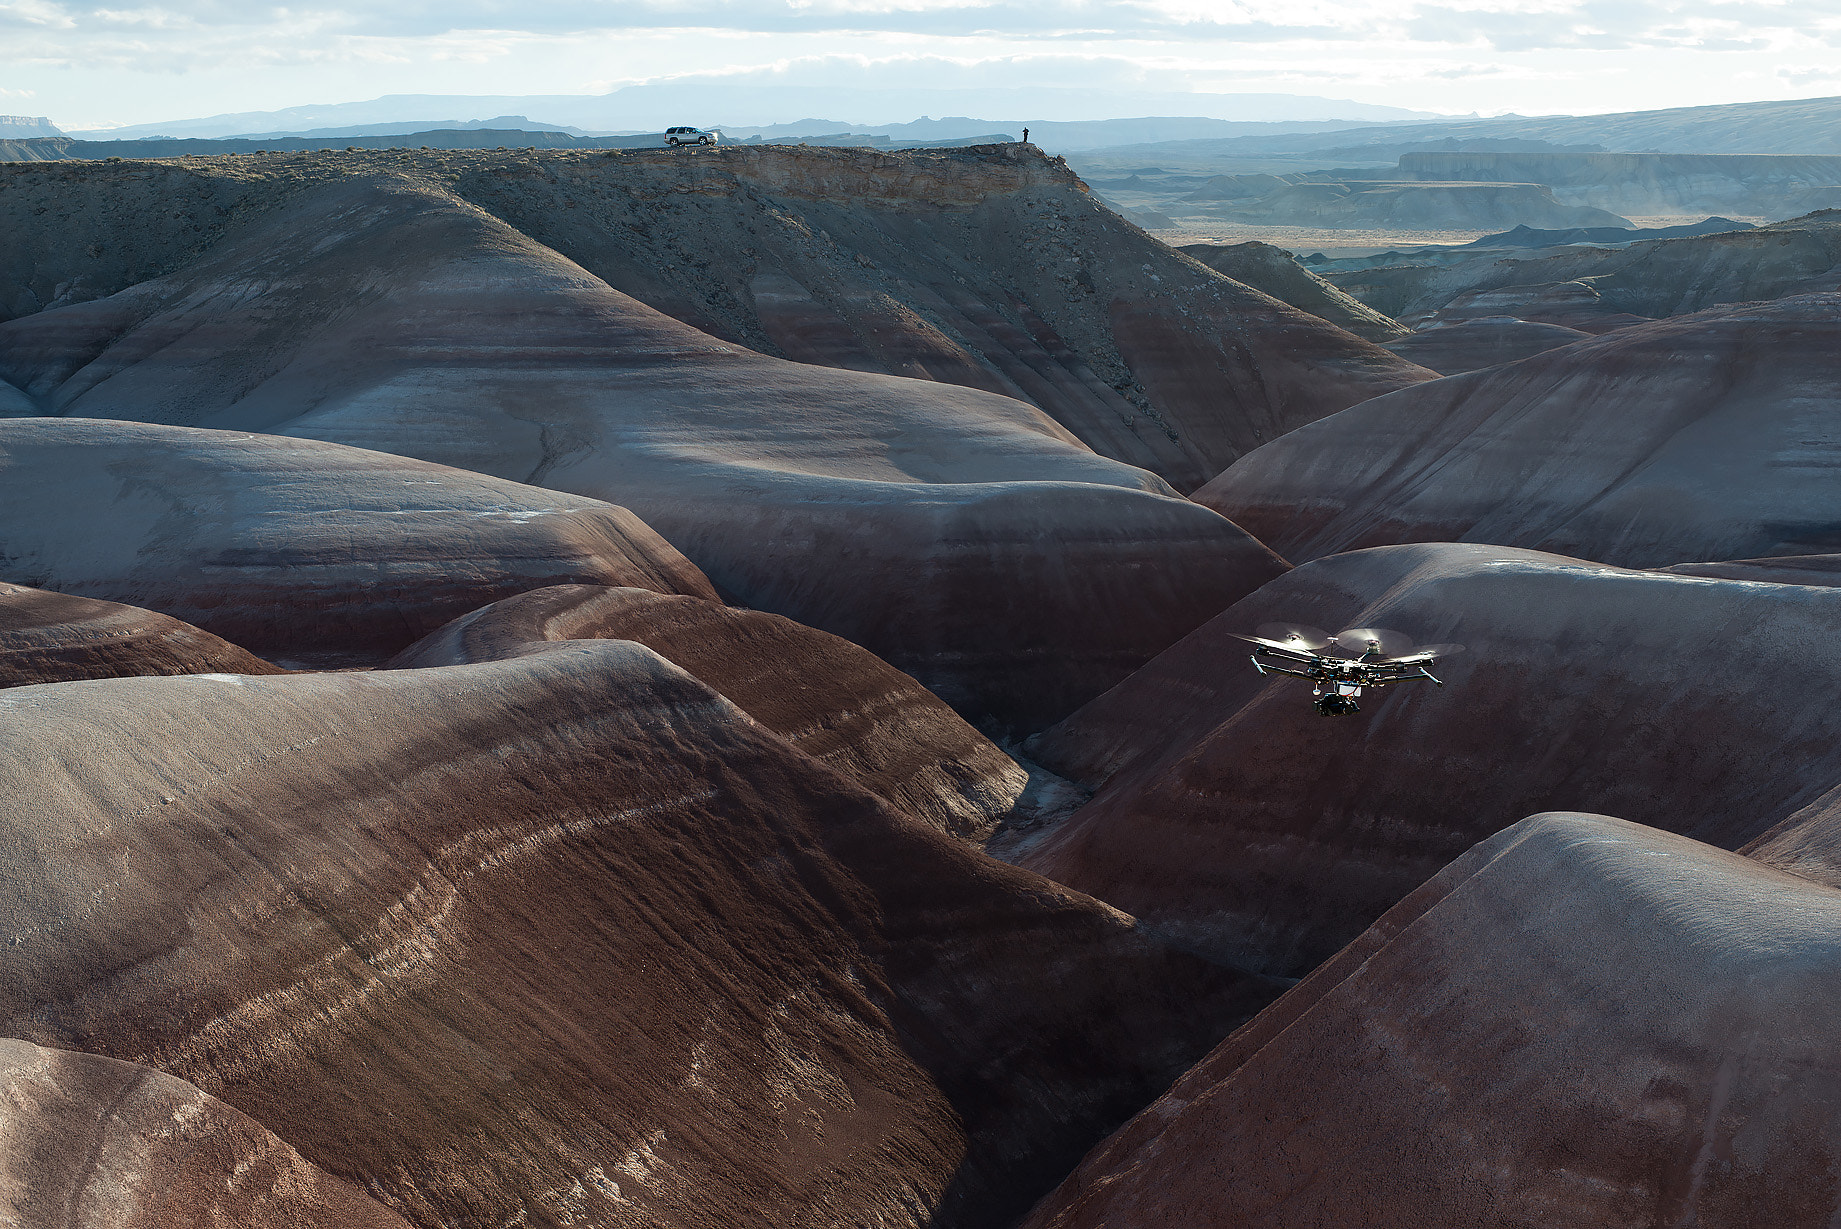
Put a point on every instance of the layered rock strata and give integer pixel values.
(54, 637)
(839, 704)
(1234, 819)
(963, 536)
(568, 938)
(1698, 438)
(296, 548)
(1581, 1022)
(991, 267)
(93, 1143)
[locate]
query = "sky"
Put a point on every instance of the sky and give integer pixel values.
(94, 65)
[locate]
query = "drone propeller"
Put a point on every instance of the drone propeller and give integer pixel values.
(1427, 653)
(1292, 637)
(1359, 640)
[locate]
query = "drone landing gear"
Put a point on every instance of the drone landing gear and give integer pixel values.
(1333, 705)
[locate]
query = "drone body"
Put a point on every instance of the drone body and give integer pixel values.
(1339, 666)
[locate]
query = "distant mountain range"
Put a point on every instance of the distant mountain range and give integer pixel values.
(1801, 126)
(708, 104)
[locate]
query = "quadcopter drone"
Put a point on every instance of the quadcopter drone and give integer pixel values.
(1340, 666)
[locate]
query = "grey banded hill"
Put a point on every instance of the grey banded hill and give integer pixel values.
(845, 384)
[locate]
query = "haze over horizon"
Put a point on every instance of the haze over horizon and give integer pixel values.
(91, 66)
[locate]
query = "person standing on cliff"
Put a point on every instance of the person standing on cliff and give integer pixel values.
(1025, 136)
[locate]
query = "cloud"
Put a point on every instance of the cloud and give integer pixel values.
(40, 13)
(1414, 53)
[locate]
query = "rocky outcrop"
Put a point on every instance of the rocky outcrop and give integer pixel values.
(1683, 440)
(1581, 1022)
(54, 637)
(567, 938)
(1235, 820)
(963, 536)
(1272, 271)
(94, 1143)
(295, 549)
(1487, 341)
(837, 703)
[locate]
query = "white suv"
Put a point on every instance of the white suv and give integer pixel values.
(689, 136)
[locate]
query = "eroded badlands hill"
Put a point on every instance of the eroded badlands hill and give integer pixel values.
(568, 939)
(962, 535)
(296, 548)
(1233, 817)
(836, 702)
(1700, 438)
(94, 1143)
(54, 637)
(990, 267)
(1582, 1022)
(1272, 270)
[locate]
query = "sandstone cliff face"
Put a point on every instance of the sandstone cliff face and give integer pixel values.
(961, 535)
(293, 547)
(54, 637)
(1232, 817)
(567, 938)
(1699, 438)
(93, 1143)
(837, 703)
(1581, 1022)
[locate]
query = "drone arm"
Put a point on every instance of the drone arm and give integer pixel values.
(1268, 667)
(1418, 672)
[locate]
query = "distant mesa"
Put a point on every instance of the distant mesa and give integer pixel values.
(1237, 822)
(54, 637)
(1409, 205)
(1774, 185)
(565, 937)
(1580, 1022)
(1653, 278)
(1529, 237)
(836, 702)
(295, 549)
(97, 1141)
(27, 127)
(1660, 443)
